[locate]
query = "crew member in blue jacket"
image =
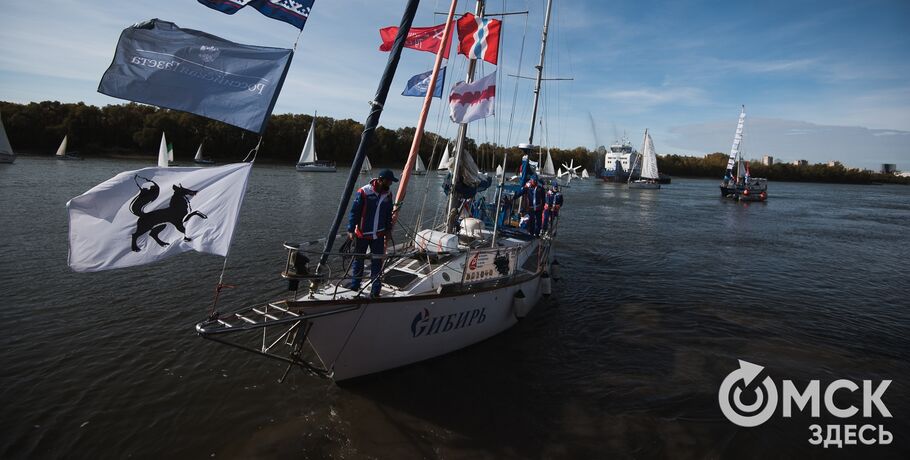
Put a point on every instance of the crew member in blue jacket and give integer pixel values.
(368, 224)
(534, 201)
(551, 206)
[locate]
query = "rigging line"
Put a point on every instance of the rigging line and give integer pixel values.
(297, 40)
(515, 94)
(212, 312)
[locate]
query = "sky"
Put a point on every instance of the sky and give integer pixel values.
(820, 80)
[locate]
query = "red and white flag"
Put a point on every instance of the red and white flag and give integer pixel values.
(419, 38)
(479, 37)
(473, 101)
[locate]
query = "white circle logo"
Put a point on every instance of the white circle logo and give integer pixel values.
(731, 390)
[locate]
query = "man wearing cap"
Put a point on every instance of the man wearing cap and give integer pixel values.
(551, 206)
(370, 219)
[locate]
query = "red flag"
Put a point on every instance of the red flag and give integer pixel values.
(479, 37)
(419, 38)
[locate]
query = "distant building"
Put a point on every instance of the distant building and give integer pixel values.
(889, 168)
(767, 160)
(834, 163)
(799, 163)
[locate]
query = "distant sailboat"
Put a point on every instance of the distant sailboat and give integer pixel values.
(61, 152)
(419, 168)
(162, 153)
(445, 160)
(6, 150)
(548, 169)
(584, 174)
(649, 177)
(198, 159)
(308, 160)
(367, 168)
(498, 170)
(741, 186)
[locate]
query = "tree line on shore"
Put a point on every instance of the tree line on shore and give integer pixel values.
(135, 129)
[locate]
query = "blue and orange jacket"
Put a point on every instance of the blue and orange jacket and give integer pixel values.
(371, 213)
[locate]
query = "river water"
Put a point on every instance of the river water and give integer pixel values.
(661, 292)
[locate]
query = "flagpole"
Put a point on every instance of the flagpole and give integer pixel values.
(421, 123)
(459, 142)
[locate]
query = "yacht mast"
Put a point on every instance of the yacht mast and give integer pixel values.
(451, 212)
(539, 67)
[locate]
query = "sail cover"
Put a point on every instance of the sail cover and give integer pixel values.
(160, 64)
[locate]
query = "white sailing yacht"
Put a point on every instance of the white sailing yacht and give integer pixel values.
(163, 153)
(308, 160)
(199, 159)
(367, 168)
(649, 177)
(62, 153)
(548, 170)
(442, 290)
(584, 174)
(419, 168)
(7, 155)
(740, 185)
(445, 160)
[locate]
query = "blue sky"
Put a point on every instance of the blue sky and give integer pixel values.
(821, 80)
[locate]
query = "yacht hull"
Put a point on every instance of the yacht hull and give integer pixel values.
(384, 334)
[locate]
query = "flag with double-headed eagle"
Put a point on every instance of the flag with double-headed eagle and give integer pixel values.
(479, 37)
(472, 101)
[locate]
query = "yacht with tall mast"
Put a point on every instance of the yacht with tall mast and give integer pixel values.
(308, 161)
(739, 184)
(7, 155)
(442, 289)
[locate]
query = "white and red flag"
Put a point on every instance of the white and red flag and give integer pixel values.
(473, 101)
(479, 37)
(419, 38)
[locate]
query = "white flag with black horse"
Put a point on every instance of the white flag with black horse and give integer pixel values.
(139, 217)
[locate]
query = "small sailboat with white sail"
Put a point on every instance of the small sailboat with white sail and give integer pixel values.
(584, 174)
(170, 155)
(445, 161)
(367, 168)
(649, 177)
(7, 155)
(308, 161)
(419, 168)
(163, 156)
(739, 184)
(62, 154)
(199, 159)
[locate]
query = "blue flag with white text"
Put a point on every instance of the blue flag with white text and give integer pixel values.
(418, 84)
(160, 64)
(293, 12)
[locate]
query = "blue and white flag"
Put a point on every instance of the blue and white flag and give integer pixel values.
(160, 64)
(418, 84)
(139, 217)
(293, 12)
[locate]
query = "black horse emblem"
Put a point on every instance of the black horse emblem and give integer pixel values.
(154, 222)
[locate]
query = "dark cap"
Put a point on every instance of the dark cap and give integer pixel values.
(388, 174)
